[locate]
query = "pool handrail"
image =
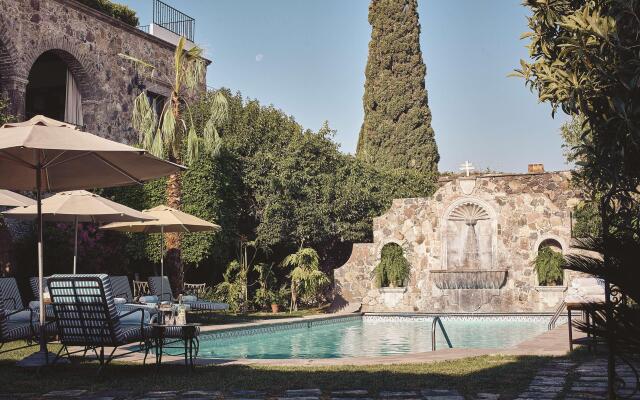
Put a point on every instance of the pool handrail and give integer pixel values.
(437, 320)
(556, 315)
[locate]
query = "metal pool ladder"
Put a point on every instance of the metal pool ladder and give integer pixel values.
(556, 315)
(437, 320)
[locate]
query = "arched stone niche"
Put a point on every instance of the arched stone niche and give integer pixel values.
(469, 235)
(469, 247)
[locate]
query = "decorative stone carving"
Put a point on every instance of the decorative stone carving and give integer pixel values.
(467, 184)
(444, 279)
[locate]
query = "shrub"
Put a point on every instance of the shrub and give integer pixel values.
(548, 265)
(393, 269)
(117, 11)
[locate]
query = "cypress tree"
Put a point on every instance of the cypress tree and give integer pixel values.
(397, 121)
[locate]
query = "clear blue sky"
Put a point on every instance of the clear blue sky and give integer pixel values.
(308, 57)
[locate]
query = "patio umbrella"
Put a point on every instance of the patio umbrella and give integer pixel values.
(166, 220)
(45, 154)
(79, 206)
(11, 199)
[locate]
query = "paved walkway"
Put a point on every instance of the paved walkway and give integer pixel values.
(563, 379)
(559, 379)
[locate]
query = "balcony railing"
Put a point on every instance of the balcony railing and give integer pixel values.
(173, 20)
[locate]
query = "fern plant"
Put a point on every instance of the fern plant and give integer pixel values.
(307, 280)
(548, 265)
(393, 269)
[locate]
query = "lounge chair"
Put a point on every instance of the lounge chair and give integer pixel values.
(124, 298)
(86, 316)
(35, 290)
(16, 321)
(166, 294)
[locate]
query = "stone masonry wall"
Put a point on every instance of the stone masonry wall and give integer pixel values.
(525, 209)
(89, 42)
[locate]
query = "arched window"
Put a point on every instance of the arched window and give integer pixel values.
(53, 91)
(548, 263)
(393, 269)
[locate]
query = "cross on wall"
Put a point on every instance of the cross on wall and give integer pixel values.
(467, 167)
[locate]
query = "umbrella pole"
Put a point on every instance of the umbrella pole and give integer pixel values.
(161, 262)
(75, 245)
(43, 339)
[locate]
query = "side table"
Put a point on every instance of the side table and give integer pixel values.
(164, 336)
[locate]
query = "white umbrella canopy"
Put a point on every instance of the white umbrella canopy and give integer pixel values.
(79, 206)
(11, 199)
(45, 154)
(167, 219)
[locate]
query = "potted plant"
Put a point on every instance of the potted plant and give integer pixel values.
(393, 269)
(280, 299)
(548, 265)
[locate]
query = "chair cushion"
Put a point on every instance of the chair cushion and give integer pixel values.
(148, 299)
(21, 317)
(175, 332)
(189, 299)
(206, 305)
(134, 317)
(119, 300)
(19, 331)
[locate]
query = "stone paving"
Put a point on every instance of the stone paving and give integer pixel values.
(293, 394)
(559, 379)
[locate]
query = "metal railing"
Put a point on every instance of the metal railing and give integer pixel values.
(437, 320)
(556, 315)
(171, 19)
(144, 28)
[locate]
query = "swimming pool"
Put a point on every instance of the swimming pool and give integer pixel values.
(368, 335)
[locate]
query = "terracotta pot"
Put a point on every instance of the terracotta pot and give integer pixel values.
(275, 308)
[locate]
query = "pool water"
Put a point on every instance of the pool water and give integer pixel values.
(368, 336)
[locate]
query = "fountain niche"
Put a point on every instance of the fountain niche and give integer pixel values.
(469, 251)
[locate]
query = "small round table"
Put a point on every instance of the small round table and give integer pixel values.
(165, 336)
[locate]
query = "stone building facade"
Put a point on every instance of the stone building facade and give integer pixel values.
(88, 42)
(470, 246)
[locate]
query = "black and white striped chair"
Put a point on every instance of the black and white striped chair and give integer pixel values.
(86, 316)
(35, 286)
(161, 288)
(16, 321)
(35, 291)
(123, 297)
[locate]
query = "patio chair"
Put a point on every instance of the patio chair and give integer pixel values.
(155, 282)
(86, 316)
(197, 289)
(140, 288)
(35, 290)
(35, 286)
(16, 321)
(123, 297)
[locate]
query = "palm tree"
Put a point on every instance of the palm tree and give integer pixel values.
(171, 132)
(306, 278)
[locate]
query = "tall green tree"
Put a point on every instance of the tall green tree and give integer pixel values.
(172, 133)
(397, 128)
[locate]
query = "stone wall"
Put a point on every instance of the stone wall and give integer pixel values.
(522, 211)
(89, 43)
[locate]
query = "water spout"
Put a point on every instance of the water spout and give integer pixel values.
(471, 258)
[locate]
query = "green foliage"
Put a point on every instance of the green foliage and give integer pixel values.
(393, 269)
(115, 10)
(5, 116)
(233, 288)
(306, 278)
(586, 220)
(548, 265)
(397, 128)
(172, 133)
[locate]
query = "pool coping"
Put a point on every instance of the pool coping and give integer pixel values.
(549, 343)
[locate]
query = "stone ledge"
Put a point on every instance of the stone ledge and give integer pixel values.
(550, 288)
(393, 289)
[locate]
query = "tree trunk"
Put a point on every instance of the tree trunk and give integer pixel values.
(174, 257)
(174, 200)
(294, 296)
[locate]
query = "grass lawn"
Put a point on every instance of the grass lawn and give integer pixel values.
(507, 375)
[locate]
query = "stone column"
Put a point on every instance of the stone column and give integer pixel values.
(16, 90)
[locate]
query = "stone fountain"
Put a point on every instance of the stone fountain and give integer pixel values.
(469, 260)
